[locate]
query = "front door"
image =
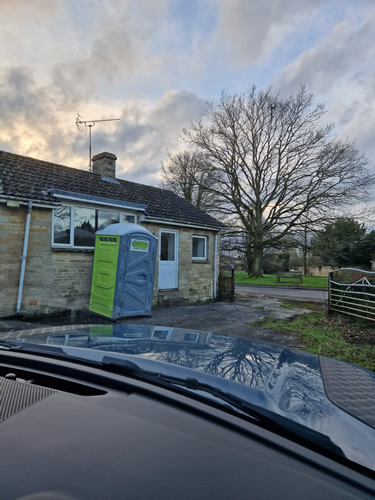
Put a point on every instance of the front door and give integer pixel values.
(168, 259)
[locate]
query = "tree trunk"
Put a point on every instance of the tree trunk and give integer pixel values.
(249, 258)
(305, 261)
(249, 263)
(257, 266)
(305, 250)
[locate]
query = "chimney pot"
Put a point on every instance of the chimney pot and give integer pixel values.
(104, 164)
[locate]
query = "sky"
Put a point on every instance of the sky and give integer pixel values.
(155, 64)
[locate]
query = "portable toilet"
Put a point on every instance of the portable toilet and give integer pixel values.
(123, 273)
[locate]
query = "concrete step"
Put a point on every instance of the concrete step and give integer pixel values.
(174, 302)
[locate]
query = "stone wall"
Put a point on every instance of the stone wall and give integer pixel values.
(12, 226)
(195, 278)
(318, 271)
(54, 280)
(57, 280)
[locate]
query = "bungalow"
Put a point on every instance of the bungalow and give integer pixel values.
(49, 214)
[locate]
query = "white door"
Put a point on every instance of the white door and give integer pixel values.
(168, 259)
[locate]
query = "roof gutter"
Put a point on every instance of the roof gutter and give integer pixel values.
(36, 203)
(173, 222)
(99, 200)
(23, 258)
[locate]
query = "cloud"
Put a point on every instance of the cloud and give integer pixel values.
(29, 117)
(147, 130)
(113, 54)
(346, 51)
(339, 71)
(41, 7)
(135, 60)
(115, 47)
(252, 29)
(21, 102)
(33, 124)
(353, 110)
(39, 101)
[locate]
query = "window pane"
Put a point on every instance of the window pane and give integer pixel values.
(105, 218)
(199, 248)
(191, 337)
(61, 225)
(167, 246)
(129, 218)
(160, 334)
(84, 227)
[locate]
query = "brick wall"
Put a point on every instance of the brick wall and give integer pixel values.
(59, 280)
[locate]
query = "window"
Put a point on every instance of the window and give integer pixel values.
(128, 218)
(199, 248)
(105, 218)
(191, 337)
(84, 227)
(61, 226)
(162, 333)
(76, 226)
(167, 246)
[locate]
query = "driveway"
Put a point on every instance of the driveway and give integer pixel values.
(230, 318)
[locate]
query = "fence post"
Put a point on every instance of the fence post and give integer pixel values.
(329, 291)
(232, 285)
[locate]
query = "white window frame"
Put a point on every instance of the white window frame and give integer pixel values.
(72, 206)
(167, 330)
(194, 337)
(64, 245)
(205, 239)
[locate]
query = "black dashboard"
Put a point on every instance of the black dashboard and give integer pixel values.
(68, 430)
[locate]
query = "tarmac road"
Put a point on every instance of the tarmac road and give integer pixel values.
(299, 294)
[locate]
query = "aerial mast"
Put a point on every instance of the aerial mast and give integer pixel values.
(89, 124)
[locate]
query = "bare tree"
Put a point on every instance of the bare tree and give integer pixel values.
(189, 175)
(277, 165)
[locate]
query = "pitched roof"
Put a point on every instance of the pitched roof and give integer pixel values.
(31, 179)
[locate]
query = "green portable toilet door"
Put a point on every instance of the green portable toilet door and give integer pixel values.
(135, 285)
(104, 275)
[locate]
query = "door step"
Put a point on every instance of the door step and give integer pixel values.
(173, 301)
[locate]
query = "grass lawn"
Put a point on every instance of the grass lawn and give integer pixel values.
(330, 336)
(242, 278)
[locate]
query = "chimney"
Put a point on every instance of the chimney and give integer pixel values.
(104, 164)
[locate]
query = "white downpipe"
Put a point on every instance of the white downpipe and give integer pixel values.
(23, 258)
(215, 267)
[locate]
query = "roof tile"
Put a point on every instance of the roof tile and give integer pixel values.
(29, 178)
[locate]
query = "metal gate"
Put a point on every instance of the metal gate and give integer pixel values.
(352, 291)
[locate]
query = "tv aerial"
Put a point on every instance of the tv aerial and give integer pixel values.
(88, 124)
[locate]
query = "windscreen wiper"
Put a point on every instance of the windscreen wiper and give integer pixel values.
(28, 347)
(10, 346)
(269, 419)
